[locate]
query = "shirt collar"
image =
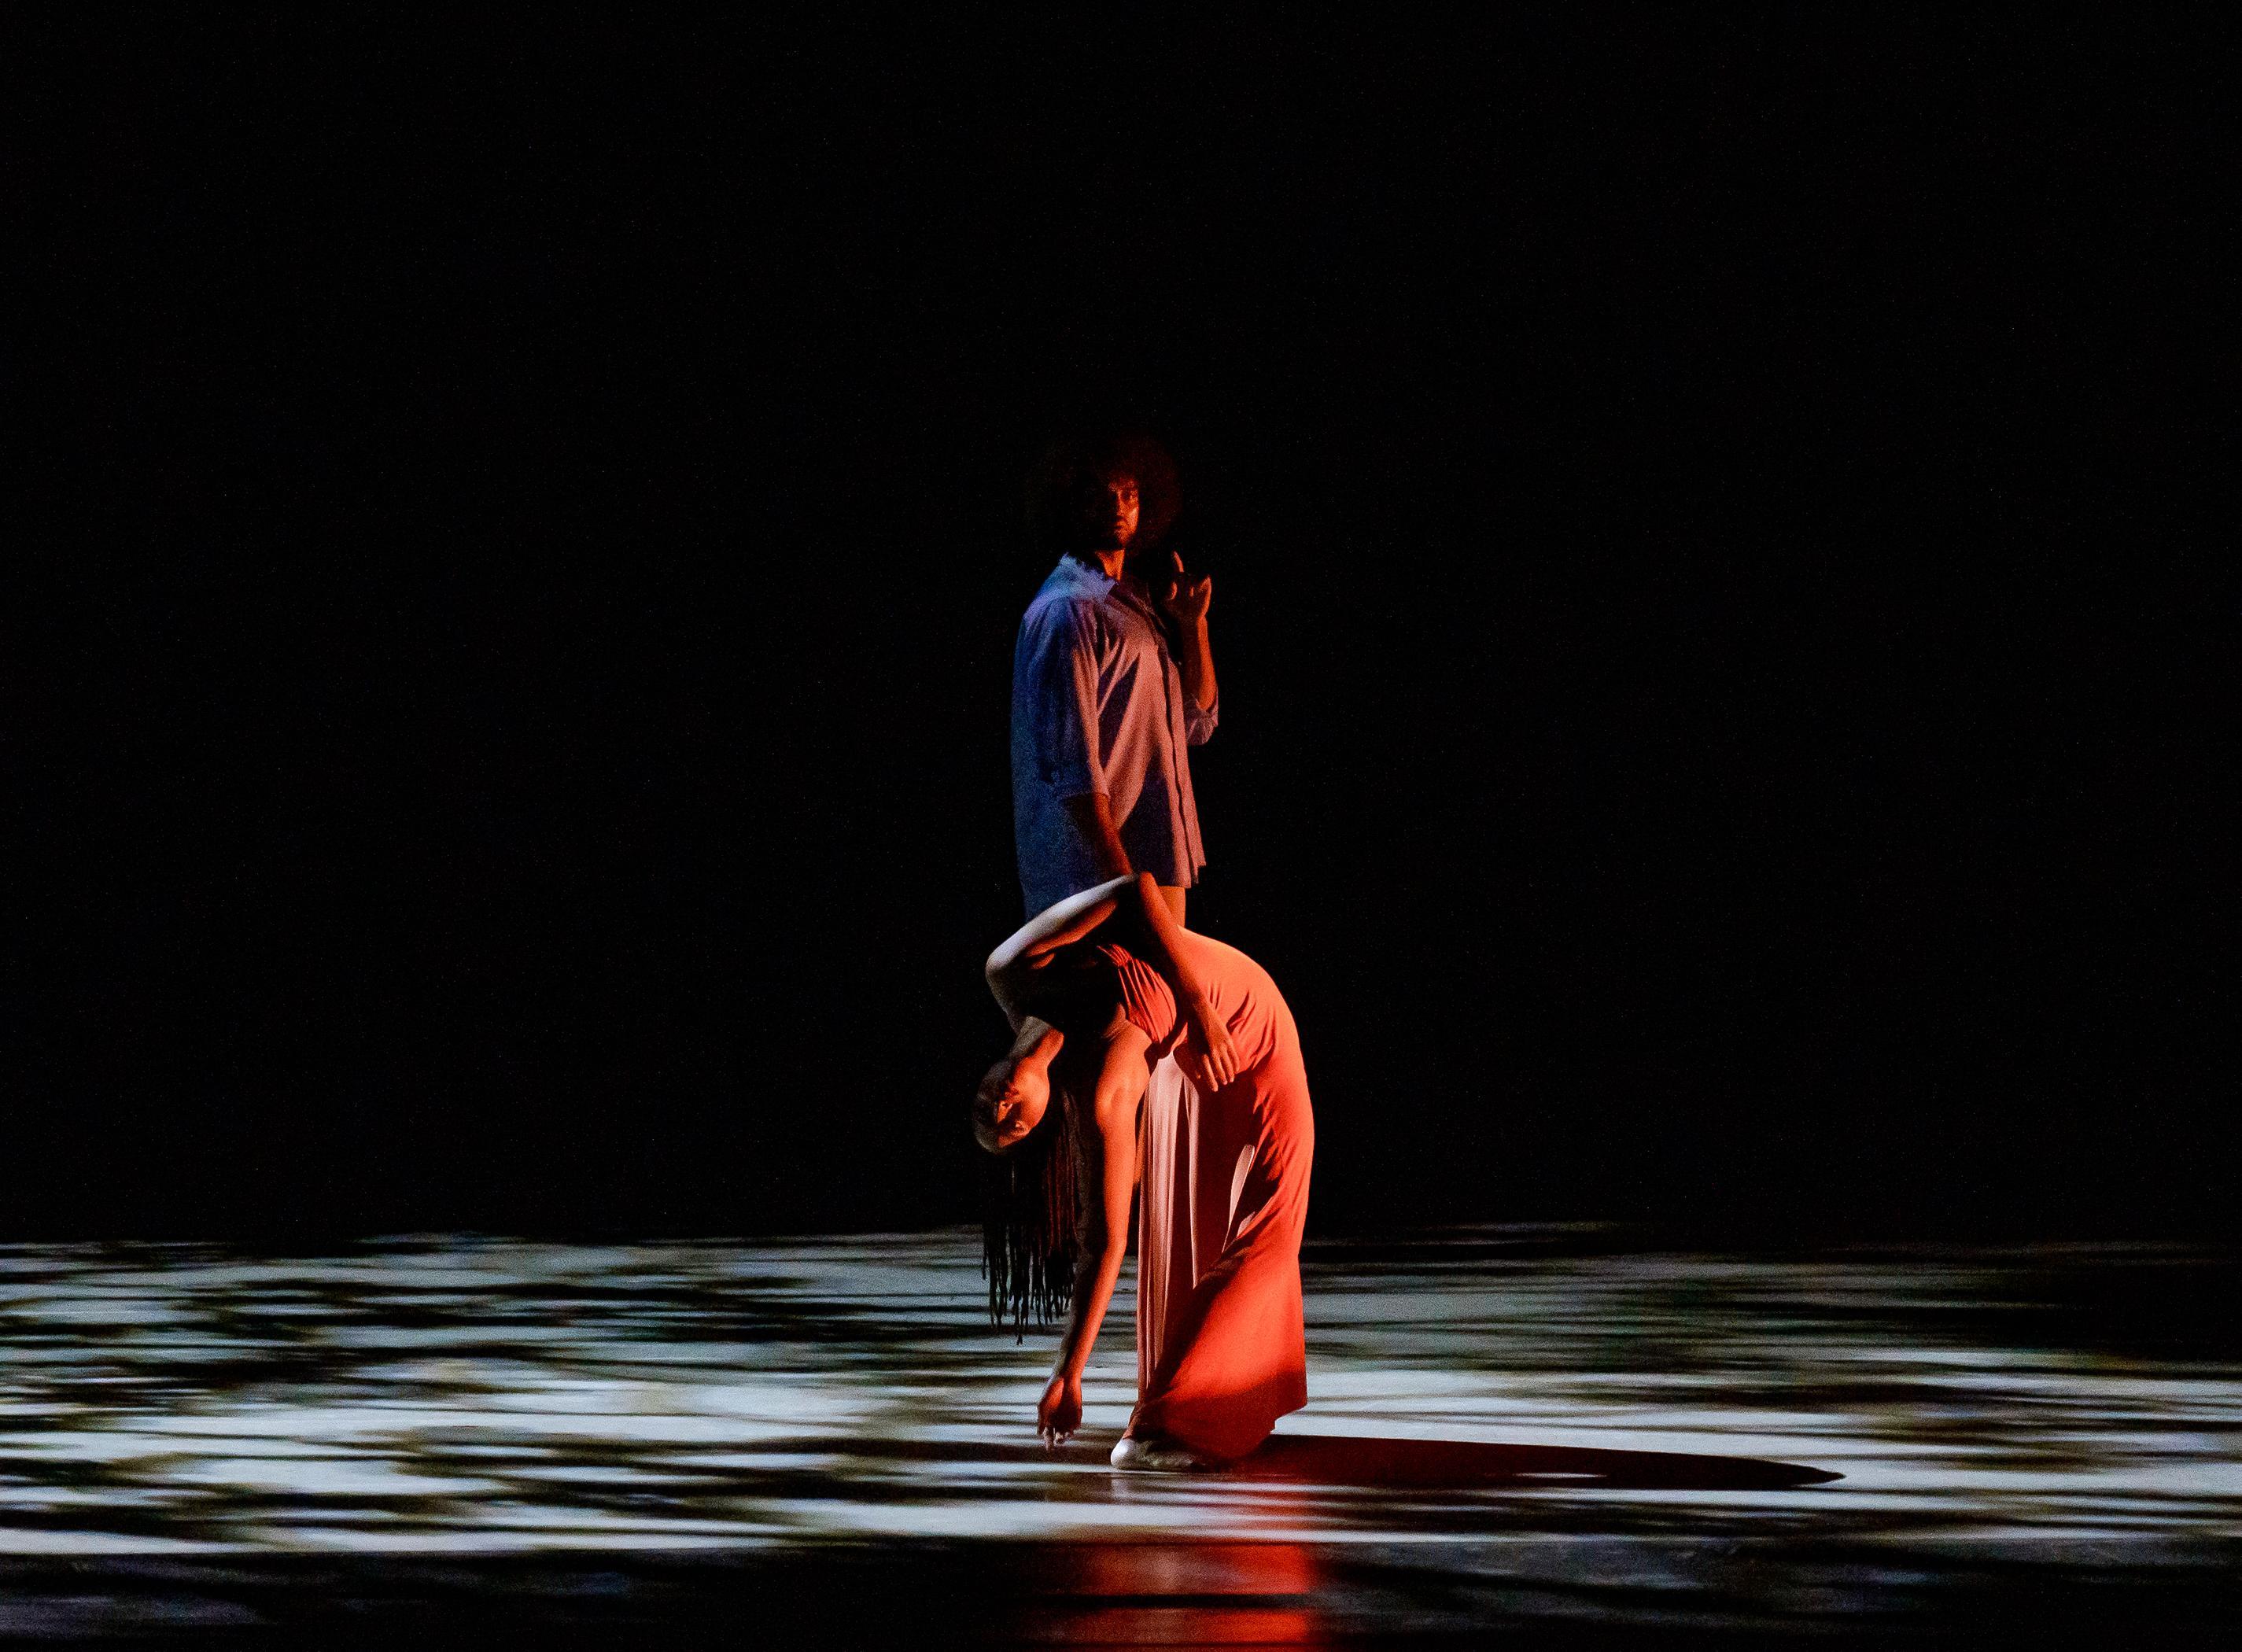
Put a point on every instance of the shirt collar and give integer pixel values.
(1075, 578)
(1074, 575)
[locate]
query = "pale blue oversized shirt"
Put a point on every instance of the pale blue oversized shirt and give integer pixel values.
(1099, 705)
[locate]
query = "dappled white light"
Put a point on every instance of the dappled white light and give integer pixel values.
(468, 1394)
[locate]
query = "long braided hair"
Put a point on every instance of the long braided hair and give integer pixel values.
(1028, 1224)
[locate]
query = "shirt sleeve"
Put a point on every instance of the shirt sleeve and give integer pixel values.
(1056, 688)
(1198, 725)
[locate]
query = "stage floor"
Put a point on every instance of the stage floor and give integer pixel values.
(205, 1441)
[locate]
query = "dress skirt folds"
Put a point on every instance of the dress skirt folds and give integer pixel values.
(1221, 1347)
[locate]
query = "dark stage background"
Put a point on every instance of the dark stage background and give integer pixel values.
(1701, 513)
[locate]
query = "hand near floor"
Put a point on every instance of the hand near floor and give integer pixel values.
(1060, 1412)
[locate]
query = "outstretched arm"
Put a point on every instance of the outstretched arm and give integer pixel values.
(1106, 1173)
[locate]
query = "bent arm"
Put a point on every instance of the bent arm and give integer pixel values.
(1011, 967)
(1106, 1174)
(1166, 953)
(1093, 814)
(1153, 932)
(1195, 660)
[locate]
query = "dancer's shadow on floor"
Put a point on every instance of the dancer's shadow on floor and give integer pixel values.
(1462, 1464)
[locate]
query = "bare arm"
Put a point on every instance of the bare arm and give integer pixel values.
(1093, 814)
(1186, 604)
(1012, 966)
(1166, 954)
(1106, 1173)
(1197, 664)
(1154, 934)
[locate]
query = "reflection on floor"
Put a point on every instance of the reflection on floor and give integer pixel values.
(1507, 1425)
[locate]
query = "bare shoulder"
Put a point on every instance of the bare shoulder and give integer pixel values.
(1122, 1080)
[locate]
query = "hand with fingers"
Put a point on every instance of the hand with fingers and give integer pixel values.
(1209, 1033)
(1059, 1412)
(1186, 600)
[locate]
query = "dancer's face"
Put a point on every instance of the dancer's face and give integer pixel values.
(1009, 1103)
(1110, 510)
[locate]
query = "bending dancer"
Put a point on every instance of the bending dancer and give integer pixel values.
(1099, 988)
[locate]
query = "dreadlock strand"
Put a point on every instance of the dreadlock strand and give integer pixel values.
(1027, 1245)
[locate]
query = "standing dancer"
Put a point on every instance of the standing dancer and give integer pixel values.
(1105, 711)
(1099, 987)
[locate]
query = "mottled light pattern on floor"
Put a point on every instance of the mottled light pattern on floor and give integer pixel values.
(459, 1394)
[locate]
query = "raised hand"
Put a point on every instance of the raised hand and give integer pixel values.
(1059, 1412)
(1186, 600)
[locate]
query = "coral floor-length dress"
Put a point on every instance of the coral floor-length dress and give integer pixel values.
(1223, 1200)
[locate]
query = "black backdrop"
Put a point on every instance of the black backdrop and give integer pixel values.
(1700, 517)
